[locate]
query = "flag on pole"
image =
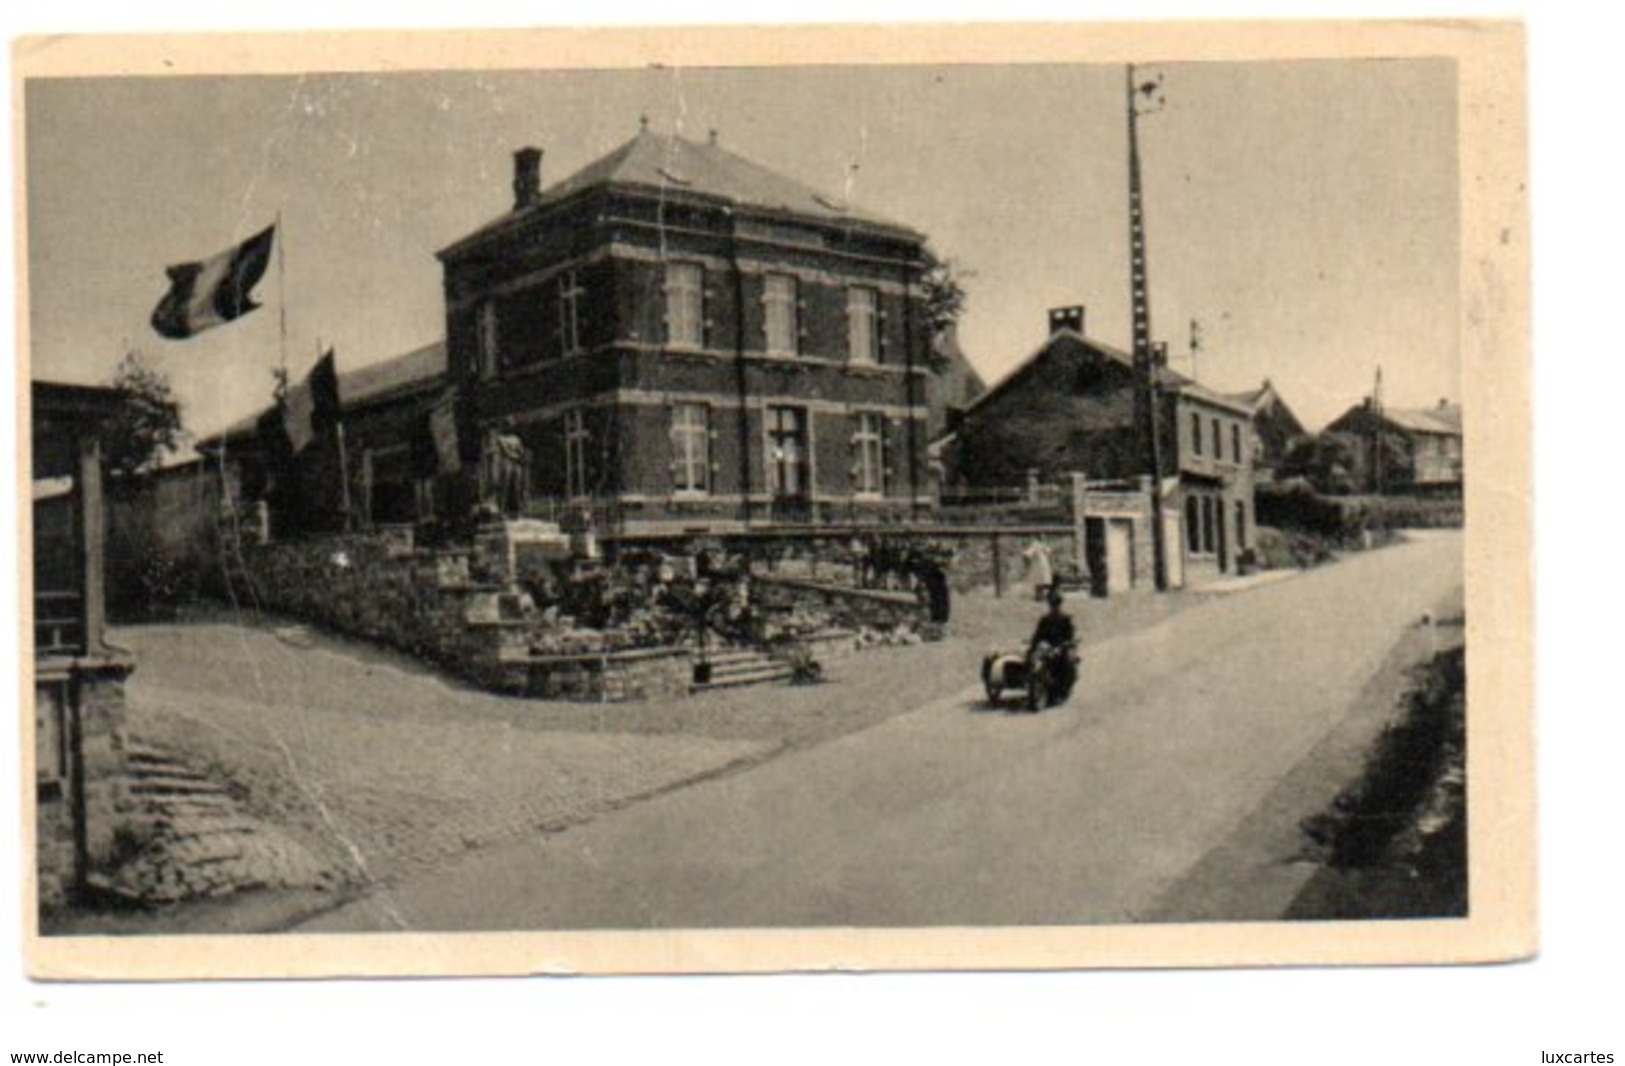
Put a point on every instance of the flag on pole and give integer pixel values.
(312, 407)
(213, 292)
(434, 446)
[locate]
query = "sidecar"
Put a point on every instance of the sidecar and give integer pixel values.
(1042, 682)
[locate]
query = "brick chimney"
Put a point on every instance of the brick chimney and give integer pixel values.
(1066, 318)
(527, 177)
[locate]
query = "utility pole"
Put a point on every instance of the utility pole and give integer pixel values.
(1145, 98)
(1196, 347)
(1377, 473)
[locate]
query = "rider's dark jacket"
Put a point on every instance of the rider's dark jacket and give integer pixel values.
(1054, 629)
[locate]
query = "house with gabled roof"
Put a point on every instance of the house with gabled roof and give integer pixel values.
(1072, 407)
(1423, 446)
(1275, 428)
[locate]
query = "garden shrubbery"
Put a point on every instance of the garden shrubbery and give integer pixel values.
(1349, 522)
(1408, 808)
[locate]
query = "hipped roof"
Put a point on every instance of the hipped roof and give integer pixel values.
(672, 165)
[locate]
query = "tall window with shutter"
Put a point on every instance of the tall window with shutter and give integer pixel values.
(570, 294)
(787, 460)
(486, 342)
(780, 319)
(690, 449)
(685, 305)
(577, 439)
(868, 455)
(863, 336)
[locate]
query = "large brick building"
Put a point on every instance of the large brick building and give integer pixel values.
(686, 339)
(1071, 407)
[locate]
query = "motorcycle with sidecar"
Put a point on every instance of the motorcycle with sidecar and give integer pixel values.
(1043, 679)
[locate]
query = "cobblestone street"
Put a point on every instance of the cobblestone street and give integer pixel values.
(383, 768)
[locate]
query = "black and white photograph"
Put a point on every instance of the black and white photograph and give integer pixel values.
(765, 512)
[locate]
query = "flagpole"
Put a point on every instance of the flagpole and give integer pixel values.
(282, 297)
(344, 459)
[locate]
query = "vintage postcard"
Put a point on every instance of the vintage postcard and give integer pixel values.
(1015, 497)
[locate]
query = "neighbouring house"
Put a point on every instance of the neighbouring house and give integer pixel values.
(79, 708)
(1071, 407)
(686, 340)
(385, 411)
(1421, 446)
(1275, 429)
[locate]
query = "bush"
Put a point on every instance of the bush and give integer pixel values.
(1276, 549)
(1422, 752)
(147, 577)
(1415, 512)
(1351, 521)
(1297, 508)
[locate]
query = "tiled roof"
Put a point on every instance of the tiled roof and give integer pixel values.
(419, 368)
(1167, 378)
(676, 165)
(1252, 397)
(1445, 419)
(402, 375)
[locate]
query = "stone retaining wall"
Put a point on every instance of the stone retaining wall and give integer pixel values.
(377, 587)
(611, 677)
(848, 608)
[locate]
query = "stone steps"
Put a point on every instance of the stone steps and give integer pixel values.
(142, 785)
(738, 667)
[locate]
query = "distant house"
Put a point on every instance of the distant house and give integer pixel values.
(1422, 445)
(1071, 407)
(1275, 428)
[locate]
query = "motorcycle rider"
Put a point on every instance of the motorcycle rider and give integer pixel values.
(1055, 630)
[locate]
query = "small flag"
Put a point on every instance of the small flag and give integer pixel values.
(312, 407)
(434, 445)
(215, 291)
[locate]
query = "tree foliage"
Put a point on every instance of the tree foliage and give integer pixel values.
(148, 425)
(1339, 463)
(944, 300)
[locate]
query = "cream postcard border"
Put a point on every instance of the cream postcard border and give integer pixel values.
(1495, 331)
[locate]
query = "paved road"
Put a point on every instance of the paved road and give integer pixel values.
(954, 815)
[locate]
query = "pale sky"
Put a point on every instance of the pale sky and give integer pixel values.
(1306, 212)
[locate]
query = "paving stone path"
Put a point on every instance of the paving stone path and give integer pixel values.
(192, 839)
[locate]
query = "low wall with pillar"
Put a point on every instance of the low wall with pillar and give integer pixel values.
(79, 770)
